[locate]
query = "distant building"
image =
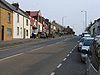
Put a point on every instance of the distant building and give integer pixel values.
(37, 23)
(47, 26)
(57, 27)
(95, 28)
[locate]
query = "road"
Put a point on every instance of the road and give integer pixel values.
(17, 49)
(71, 65)
(39, 58)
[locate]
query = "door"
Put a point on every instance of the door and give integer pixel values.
(2, 34)
(24, 32)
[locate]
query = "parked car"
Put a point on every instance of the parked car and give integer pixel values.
(85, 34)
(85, 50)
(43, 35)
(80, 42)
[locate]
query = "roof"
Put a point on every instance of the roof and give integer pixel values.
(98, 19)
(57, 25)
(8, 5)
(20, 11)
(33, 13)
(13, 8)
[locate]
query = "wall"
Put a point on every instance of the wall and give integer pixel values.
(39, 27)
(8, 27)
(18, 24)
(92, 30)
(26, 27)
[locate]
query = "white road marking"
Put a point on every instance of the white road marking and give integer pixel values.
(53, 73)
(11, 56)
(59, 65)
(70, 52)
(37, 49)
(74, 48)
(94, 68)
(68, 55)
(64, 59)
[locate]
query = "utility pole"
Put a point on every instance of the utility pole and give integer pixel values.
(85, 17)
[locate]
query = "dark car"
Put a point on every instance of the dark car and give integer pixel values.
(43, 35)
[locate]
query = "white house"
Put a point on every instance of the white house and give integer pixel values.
(27, 27)
(21, 23)
(17, 26)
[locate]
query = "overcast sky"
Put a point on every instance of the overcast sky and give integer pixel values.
(71, 9)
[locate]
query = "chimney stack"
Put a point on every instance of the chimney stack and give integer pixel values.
(16, 5)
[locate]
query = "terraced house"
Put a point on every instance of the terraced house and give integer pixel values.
(6, 21)
(21, 23)
(15, 23)
(38, 21)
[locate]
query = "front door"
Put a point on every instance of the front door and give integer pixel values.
(24, 33)
(2, 34)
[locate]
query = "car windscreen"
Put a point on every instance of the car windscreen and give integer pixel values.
(87, 42)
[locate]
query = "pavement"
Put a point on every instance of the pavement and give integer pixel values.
(92, 71)
(12, 42)
(19, 41)
(22, 41)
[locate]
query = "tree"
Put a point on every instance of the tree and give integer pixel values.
(69, 30)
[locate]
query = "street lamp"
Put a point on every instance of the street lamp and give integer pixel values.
(85, 17)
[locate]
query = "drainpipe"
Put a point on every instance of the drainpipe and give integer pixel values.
(0, 22)
(0, 17)
(23, 29)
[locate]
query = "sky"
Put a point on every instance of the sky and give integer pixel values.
(69, 10)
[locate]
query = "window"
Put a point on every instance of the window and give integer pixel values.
(9, 17)
(27, 22)
(17, 18)
(17, 30)
(40, 19)
(21, 31)
(98, 27)
(35, 23)
(9, 31)
(26, 32)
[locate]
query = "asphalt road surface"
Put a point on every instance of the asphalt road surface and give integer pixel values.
(71, 65)
(40, 58)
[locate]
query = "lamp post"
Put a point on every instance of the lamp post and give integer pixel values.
(85, 17)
